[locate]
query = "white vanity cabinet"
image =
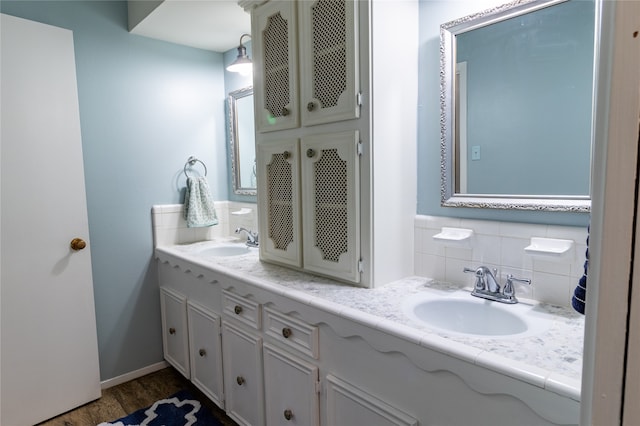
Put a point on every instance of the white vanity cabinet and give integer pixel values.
(323, 69)
(290, 357)
(243, 374)
(311, 217)
(175, 337)
(191, 326)
(205, 350)
(320, 37)
(292, 389)
(349, 405)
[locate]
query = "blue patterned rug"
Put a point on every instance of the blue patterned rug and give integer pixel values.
(180, 409)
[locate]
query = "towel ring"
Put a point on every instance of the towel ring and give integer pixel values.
(191, 162)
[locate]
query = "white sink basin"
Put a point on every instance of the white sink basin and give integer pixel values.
(225, 250)
(477, 317)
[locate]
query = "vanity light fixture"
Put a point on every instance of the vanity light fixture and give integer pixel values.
(242, 64)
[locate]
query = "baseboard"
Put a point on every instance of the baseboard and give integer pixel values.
(133, 375)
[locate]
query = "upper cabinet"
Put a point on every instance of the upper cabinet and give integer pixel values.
(336, 173)
(320, 36)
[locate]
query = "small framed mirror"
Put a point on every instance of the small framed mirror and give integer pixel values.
(517, 98)
(242, 141)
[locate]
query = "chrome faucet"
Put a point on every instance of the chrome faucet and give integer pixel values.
(252, 237)
(487, 286)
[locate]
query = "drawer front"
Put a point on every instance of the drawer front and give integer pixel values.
(292, 332)
(241, 309)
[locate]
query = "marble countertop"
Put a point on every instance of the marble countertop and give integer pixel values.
(551, 359)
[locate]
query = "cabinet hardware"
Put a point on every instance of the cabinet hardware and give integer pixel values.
(311, 106)
(78, 244)
(202, 352)
(311, 153)
(172, 330)
(285, 112)
(240, 380)
(288, 414)
(286, 155)
(237, 309)
(286, 332)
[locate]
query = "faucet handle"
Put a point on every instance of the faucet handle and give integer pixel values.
(509, 290)
(479, 273)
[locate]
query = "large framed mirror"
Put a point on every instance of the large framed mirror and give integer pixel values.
(517, 96)
(242, 141)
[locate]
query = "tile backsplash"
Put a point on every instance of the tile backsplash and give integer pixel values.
(171, 228)
(494, 244)
(501, 245)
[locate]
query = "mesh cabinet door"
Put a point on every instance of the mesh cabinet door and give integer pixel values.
(278, 198)
(331, 200)
(329, 73)
(275, 58)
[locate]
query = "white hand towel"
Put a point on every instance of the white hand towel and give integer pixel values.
(198, 203)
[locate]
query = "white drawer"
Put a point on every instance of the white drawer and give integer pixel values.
(291, 332)
(241, 309)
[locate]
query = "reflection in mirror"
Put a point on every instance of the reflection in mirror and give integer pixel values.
(242, 149)
(517, 106)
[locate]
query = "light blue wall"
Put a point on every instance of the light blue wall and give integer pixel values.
(145, 107)
(529, 88)
(433, 13)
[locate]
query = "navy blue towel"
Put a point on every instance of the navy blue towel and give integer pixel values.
(580, 293)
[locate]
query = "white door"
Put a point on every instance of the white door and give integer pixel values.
(48, 346)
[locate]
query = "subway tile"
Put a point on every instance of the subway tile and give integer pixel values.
(551, 288)
(522, 230)
(481, 227)
(486, 249)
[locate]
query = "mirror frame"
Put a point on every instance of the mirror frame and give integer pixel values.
(448, 32)
(234, 143)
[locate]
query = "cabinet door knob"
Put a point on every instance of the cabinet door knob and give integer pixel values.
(285, 112)
(202, 352)
(172, 330)
(288, 414)
(237, 309)
(311, 153)
(286, 155)
(240, 380)
(78, 244)
(286, 332)
(311, 106)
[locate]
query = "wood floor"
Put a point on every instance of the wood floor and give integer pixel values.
(118, 401)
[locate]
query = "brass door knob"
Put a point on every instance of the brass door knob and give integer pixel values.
(78, 244)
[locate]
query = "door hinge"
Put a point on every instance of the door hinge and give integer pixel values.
(359, 99)
(359, 148)
(360, 266)
(318, 387)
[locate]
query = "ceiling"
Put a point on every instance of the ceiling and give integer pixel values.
(206, 24)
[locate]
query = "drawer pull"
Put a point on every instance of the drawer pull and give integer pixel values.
(202, 352)
(311, 106)
(240, 380)
(288, 414)
(172, 330)
(286, 332)
(237, 309)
